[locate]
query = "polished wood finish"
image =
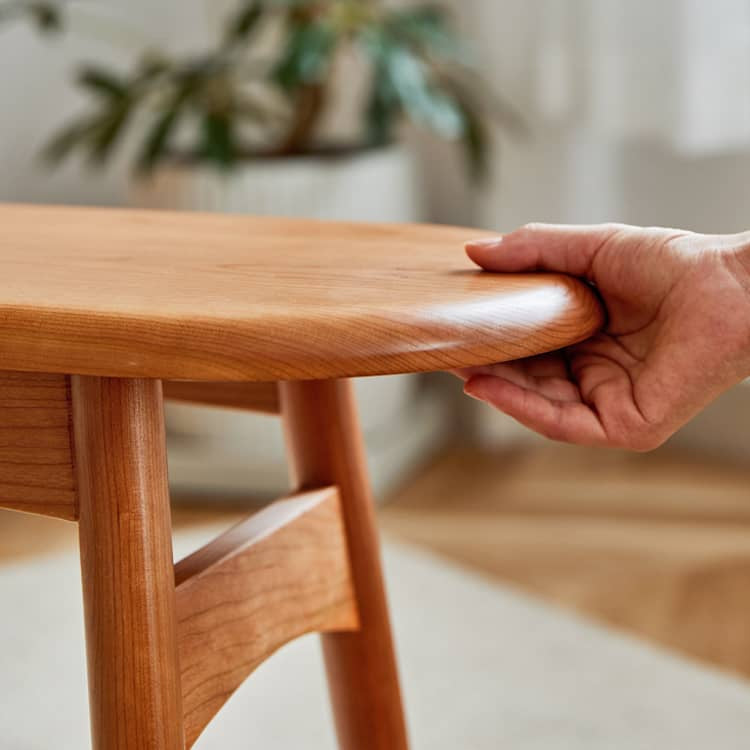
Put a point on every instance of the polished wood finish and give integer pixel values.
(205, 297)
(36, 458)
(258, 397)
(282, 573)
(126, 564)
(325, 446)
(126, 299)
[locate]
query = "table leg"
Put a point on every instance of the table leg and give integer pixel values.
(325, 447)
(126, 563)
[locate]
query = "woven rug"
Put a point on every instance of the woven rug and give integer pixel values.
(484, 667)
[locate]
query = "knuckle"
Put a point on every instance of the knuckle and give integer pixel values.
(532, 226)
(615, 227)
(632, 432)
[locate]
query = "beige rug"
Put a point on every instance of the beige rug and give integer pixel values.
(484, 668)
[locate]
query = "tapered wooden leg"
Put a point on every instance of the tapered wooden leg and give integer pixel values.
(325, 445)
(126, 563)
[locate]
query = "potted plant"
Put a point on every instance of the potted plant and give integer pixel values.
(266, 86)
(257, 124)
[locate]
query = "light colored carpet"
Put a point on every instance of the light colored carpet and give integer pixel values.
(484, 667)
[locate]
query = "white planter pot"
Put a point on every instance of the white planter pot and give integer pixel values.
(375, 185)
(233, 452)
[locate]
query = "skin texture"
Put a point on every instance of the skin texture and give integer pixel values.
(677, 335)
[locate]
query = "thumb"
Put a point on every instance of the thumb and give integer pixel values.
(544, 247)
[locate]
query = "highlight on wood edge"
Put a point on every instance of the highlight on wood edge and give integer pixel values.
(279, 575)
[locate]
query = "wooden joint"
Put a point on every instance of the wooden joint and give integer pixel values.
(259, 397)
(280, 574)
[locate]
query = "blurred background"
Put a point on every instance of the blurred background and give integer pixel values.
(485, 114)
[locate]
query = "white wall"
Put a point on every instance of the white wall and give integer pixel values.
(569, 172)
(37, 96)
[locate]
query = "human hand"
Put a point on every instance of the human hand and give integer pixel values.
(677, 335)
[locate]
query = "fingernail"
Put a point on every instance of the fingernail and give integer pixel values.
(485, 242)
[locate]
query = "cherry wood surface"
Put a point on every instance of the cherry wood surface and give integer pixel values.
(207, 297)
(36, 458)
(282, 573)
(325, 447)
(126, 565)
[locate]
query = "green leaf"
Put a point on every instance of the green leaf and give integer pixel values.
(428, 29)
(96, 134)
(383, 109)
(150, 67)
(428, 14)
(67, 139)
(116, 101)
(218, 140)
(103, 83)
(306, 56)
(47, 16)
(157, 138)
(108, 133)
(244, 21)
(403, 82)
(424, 101)
(476, 143)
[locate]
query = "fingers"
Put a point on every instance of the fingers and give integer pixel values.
(546, 375)
(569, 420)
(551, 364)
(544, 247)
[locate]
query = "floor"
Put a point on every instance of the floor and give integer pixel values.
(529, 677)
(656, 545)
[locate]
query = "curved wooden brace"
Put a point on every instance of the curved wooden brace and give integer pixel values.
(282, 573)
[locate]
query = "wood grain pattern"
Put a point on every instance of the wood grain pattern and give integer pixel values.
(326, 448)
(126, 565)
(201, 297)
(282, 573)
(258, 397)
(36, 458)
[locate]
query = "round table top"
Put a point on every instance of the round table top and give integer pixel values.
(217, 297)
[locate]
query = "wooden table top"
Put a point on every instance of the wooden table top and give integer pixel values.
(214, 297)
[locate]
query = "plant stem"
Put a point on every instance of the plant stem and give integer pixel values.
(308, 108)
